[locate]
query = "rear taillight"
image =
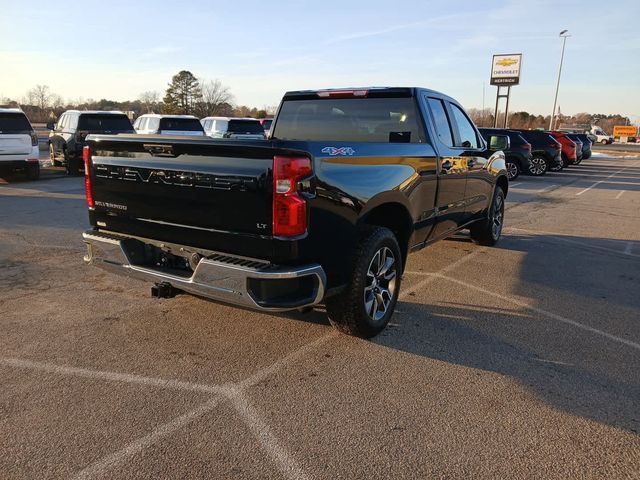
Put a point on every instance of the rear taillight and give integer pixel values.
(88, 187)
(289, 207)
(34, 139)
(527, 146)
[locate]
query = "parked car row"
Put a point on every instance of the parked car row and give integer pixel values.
(66, 138)
(535, 152)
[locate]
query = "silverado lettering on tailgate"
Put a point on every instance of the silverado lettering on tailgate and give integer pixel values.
(177, 178)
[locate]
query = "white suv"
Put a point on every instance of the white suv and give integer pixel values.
(236, 128)
(168, 125)
(18, 144)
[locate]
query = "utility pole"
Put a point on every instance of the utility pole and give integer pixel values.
(563, 34)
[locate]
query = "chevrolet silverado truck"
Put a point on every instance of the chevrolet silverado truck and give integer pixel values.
(324, 211)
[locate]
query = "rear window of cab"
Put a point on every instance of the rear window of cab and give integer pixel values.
(14, 123)
(104, 123)
(181, 124)
(382, 120)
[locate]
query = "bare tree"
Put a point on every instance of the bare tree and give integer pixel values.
(270, 109)
(39, 96)
(150, 100)
(56, 101)
(214, 99)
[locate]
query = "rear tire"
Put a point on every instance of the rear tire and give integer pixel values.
(604, 142)
(513, 170)
(72, 165)
(33, 171)
(538, 166)
(365, 307)
(487, 232)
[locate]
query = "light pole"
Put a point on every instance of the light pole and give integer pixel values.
(564, 34)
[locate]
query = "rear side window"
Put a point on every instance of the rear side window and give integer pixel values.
(14, 123)
(181, 124)
(245, 126)
(152, 124)
(105, 123)
(384, 120)
(441, 120)
(516, 140)
(72, 121)
(220, 125)
(466, 132)
(62, 122)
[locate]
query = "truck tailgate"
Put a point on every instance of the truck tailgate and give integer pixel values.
(196, 188)
(14, 146)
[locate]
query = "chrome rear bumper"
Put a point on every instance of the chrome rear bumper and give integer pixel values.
(218, 280)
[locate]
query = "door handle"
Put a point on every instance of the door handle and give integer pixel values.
(446, 166)
(471, 163)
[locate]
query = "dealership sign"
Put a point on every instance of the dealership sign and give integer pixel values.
(625, 131)
(505, 69)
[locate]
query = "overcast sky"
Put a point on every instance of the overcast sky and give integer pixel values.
(260, 49)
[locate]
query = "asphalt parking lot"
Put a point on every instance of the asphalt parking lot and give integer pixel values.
(520, 361)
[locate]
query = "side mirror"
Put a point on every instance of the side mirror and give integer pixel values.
(51, 126)
(499, 142)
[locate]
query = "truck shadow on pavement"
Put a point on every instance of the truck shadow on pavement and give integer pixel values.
(456, 335)
(565, 279)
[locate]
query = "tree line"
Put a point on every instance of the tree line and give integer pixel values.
(185, 94)
(529, 121)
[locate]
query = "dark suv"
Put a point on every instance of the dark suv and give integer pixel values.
(579, 147)
(586, 144)
(546, 151)
(66, 138)
(517, 156)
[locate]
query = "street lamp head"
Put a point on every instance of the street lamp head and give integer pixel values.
(564, 32)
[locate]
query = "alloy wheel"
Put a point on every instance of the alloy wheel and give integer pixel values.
(538, 166)
(498, 217)
(512, 170)
(380, 284)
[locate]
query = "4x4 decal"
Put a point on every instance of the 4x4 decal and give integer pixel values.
(334, 151)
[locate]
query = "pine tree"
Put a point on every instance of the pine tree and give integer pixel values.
(182, 94)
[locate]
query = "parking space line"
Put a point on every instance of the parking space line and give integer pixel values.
(561, 237)
(228, 392)
(546, 189)
(628, 248)
(446, 269)
(111, 376)
(546, 313)
(620, 194)
(515, 184)
(262, 432)
(111, 461)
(601, 181)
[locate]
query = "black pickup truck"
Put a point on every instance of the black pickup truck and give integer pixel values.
(324, 211)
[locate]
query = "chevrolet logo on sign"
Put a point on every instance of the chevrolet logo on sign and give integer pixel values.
(505, 69)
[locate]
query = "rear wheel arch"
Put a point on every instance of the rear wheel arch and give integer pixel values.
(395, 217)
(503, 183)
